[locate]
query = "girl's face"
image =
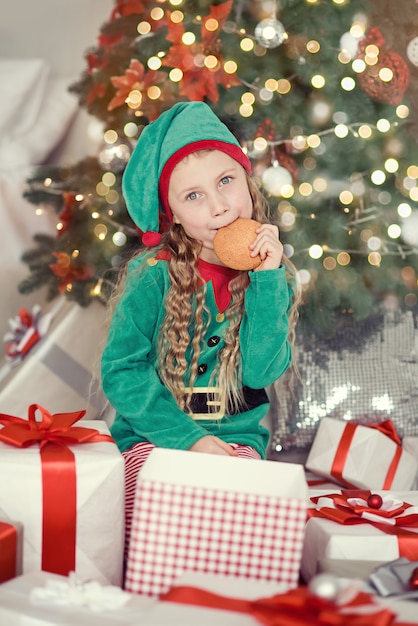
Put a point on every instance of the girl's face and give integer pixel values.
(208, 190)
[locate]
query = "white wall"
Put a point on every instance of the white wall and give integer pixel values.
(44, 119)
(58, 31)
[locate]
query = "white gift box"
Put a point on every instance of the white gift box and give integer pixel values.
(99, 504)
(331, 547)
(368, 458)
(19, 608)
(58, 371)
(410, 444)
(215, 514)
(171, 613)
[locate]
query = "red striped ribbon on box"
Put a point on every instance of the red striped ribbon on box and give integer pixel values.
(341, 454)
(8, 549)
(297, 607)
(54, 433)
(350, 507)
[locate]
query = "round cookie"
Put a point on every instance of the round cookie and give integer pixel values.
(231, 244)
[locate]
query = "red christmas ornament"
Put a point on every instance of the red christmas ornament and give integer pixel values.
(285, 160)
(374, 501)
(413, 581)
(372, 80)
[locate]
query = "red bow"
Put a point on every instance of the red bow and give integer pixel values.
(387, 428)
(297, 607)
(348, 513)
(59, 498)
(57, 428)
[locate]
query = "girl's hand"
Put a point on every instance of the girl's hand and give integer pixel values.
(268, 245)
(213, 445)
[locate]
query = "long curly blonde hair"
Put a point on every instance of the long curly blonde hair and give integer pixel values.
(187, 317)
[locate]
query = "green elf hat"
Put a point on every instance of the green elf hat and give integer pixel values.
(185, 128)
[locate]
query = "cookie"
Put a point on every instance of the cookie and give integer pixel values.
(231, 244)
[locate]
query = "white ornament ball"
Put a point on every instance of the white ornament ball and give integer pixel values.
(274, 178)
(349, 43)
(270, 33)
(410, 229)
(325, 586)
(321, 111)
(412, 51)
(114, 157)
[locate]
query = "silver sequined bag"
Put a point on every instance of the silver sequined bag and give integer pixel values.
(366, 373)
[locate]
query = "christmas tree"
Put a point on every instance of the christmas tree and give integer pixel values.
(320, 93)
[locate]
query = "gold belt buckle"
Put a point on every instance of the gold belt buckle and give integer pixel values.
(214, 400)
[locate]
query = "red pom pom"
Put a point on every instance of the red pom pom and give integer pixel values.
(374, 501)
(150, 238)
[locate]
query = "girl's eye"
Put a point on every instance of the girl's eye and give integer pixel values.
(225, 180)
(192, 195)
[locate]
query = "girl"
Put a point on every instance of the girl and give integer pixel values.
(192, 344)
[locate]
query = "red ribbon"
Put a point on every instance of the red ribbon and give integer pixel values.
(54, 433)
(297, 607)
(348, 514)
(387, 428)
(8, 551)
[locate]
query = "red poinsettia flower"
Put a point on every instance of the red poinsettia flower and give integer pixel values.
(66, 215)
(198, 81)
(67, 271)
(108, 41)
(93, 62)
(127, 7)
(97, 91)
(135, 77)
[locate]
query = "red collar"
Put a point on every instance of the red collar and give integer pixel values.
(220, 276)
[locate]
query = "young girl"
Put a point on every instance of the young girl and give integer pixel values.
(192, 344)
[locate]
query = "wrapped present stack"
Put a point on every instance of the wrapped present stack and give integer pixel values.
(236, 540)
(363, 509)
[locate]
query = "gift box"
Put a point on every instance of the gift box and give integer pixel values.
(410, 445)
(44, 599)
(358, 456)
(352, 540)
(40, 599)
(54, 362)
(216, 514)
(67, 489)
(11, 549)
(205, 600)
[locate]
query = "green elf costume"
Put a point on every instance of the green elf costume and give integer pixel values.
(146, 411)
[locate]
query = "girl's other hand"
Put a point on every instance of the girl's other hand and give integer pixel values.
(268, 245)
(213, 445)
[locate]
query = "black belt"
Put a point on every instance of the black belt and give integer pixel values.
(252, 399)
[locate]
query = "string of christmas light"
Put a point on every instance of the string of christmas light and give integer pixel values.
(322, 114)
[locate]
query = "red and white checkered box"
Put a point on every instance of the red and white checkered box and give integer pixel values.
(215, 514)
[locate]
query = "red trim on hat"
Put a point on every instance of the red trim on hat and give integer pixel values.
(230, 149)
